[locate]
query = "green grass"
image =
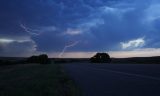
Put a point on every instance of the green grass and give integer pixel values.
(35, 80)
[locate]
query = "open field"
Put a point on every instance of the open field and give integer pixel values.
(116, 79)
(35, 80)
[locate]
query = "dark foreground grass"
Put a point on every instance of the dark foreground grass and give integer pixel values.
(35, 80)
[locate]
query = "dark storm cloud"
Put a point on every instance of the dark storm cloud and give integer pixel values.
(98, 25)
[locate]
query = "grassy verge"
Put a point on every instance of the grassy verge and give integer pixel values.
(35, 80)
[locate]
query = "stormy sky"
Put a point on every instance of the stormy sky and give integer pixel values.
(79, 28)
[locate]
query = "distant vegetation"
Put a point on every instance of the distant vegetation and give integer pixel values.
(97, 58)
(101, 58)
(137, 60)
(42, 59)
(11, 61)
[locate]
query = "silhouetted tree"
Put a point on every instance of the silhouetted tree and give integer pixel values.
(42, 59)
(101, 58)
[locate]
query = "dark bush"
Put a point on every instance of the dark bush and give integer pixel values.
(42, 59)
(33, 59)
(101, 58)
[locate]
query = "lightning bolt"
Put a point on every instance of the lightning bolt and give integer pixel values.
(68, 46)
(30, 31)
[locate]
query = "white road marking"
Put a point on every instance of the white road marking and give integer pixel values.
(129, 74)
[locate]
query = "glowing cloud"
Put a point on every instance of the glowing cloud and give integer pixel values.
(6, 40)
(73, 32)
(133, 43)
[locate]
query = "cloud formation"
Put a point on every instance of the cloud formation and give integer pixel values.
(137, 43)
(17, 47)
(72, 32)
(100, 25)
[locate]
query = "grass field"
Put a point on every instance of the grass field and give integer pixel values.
(35, 80)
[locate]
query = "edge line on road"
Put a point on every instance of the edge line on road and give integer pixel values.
(129, 74)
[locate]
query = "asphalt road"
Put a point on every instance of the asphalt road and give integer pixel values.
(116, 79)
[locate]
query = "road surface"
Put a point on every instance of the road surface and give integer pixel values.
(116, 79)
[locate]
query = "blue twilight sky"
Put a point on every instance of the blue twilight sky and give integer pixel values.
(79, 28)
